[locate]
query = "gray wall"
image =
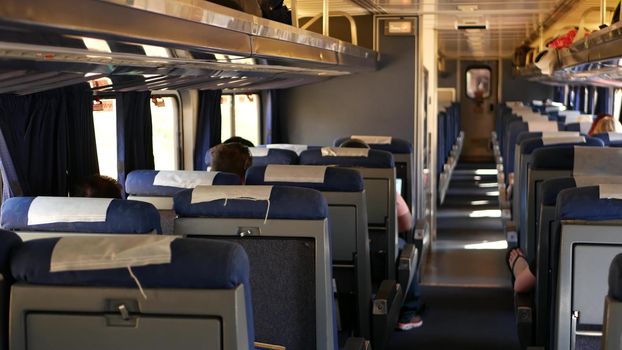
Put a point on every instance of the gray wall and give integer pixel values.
(447, 78)
(377, 103)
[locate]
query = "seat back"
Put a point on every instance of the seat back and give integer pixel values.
(195, 294)
(158, 188)
(612, 323)
(37, 217)
(265, 156)
(378, 171)
(347, 212)
(589, 238)
(610, 138)
(284, 231)
(9, 243)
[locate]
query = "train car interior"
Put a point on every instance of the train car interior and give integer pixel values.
(310, 174)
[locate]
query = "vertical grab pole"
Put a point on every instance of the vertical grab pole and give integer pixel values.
(325, 17)
(603, 11)
(294, 6)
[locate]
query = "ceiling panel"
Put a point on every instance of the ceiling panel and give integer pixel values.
(509, 23)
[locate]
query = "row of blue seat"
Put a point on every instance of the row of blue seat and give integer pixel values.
(569, 230)
(450, 141)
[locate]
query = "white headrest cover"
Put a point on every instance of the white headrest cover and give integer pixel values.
(373, 140)
(258, 151)
(610, 191)
(76, 253)
(184, 179)
(292, 147)
(344, 152)
(295, 173)
(213, 193)
(562, 139)
(48, 210)
(535, 126)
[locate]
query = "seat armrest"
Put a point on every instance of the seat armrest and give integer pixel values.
(357, 344)
(407, 266)
(385, 312)
(523, 305)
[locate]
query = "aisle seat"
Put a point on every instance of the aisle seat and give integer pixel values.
(265, 156)
(157, 292)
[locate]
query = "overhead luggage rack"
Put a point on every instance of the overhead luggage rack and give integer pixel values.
(220, 47)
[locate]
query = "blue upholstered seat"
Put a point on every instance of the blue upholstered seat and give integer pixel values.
(584, 203)
(615, 278)
(552, 187)
(195, 264)
(397, 146)
(558, 157)
(375, 159)
(275, 156)
(285, 203)
(140, 183)
(529, 145)
(607, 139)
(335, 180)
(122, 216)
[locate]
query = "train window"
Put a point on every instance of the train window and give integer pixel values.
(241, 117)
(617, 103)
(105, 122)
(165, 126)
(478, 82)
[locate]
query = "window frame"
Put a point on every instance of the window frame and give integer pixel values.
(466, 82)
(260, 114)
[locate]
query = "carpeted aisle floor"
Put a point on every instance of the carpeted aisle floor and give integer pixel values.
(469, 303)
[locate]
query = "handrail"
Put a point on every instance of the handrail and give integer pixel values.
(353, 32)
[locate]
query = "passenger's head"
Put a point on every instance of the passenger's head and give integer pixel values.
(231, 158)
(241, 140)
(606, 124)
(98, 186)
(354, 143)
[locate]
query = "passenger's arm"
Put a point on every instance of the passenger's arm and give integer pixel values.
(404, 218)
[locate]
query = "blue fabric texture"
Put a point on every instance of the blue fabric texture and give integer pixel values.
(209, 121)
(335, 180)
(397, 146)
(615, 278)
(556, 157)
(9, 243)
(140, 183)
(573, 127)
(583, 203)
(123, 216)
(375, 159)
(277, 156)
(607, 141)
(285, 203)
(552, 187)
(528, 146)
(195, 264)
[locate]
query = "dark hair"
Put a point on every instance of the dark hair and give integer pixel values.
(98, 186)
(231, 158)
(354, 143)
(241, 140)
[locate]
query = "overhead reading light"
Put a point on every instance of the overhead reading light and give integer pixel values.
(399, 27)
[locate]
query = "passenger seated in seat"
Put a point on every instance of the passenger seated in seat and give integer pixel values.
(98, 186)
(605, 123)
(231, 158)
(237, 139)
(409, 315)
(523, 272)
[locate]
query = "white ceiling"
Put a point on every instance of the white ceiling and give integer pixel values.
(509, 22)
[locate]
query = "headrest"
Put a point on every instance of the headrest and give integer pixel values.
(290, 146)
(375, 159)
(542, 125)
(558, 157)
(610, 138)
(584, 203)
(265, 156)
(335, 179)
(395, 145)
(582, 127)
(167, 183)
(552, 187)
(615, 278)
(195, 264)
(79, 215)
(283, 203)
(529, 145)
(9, 243)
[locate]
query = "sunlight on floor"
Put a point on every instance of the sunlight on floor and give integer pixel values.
(488, 185)
(484, 202)
(494, 245)
(492, 194)
(488, 213)
(486, 172)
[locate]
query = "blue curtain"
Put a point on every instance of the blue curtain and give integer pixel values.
(209, 124)
(48, 140)
(558, 94)
(602, 100)
(134, 133)
(271, 117)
